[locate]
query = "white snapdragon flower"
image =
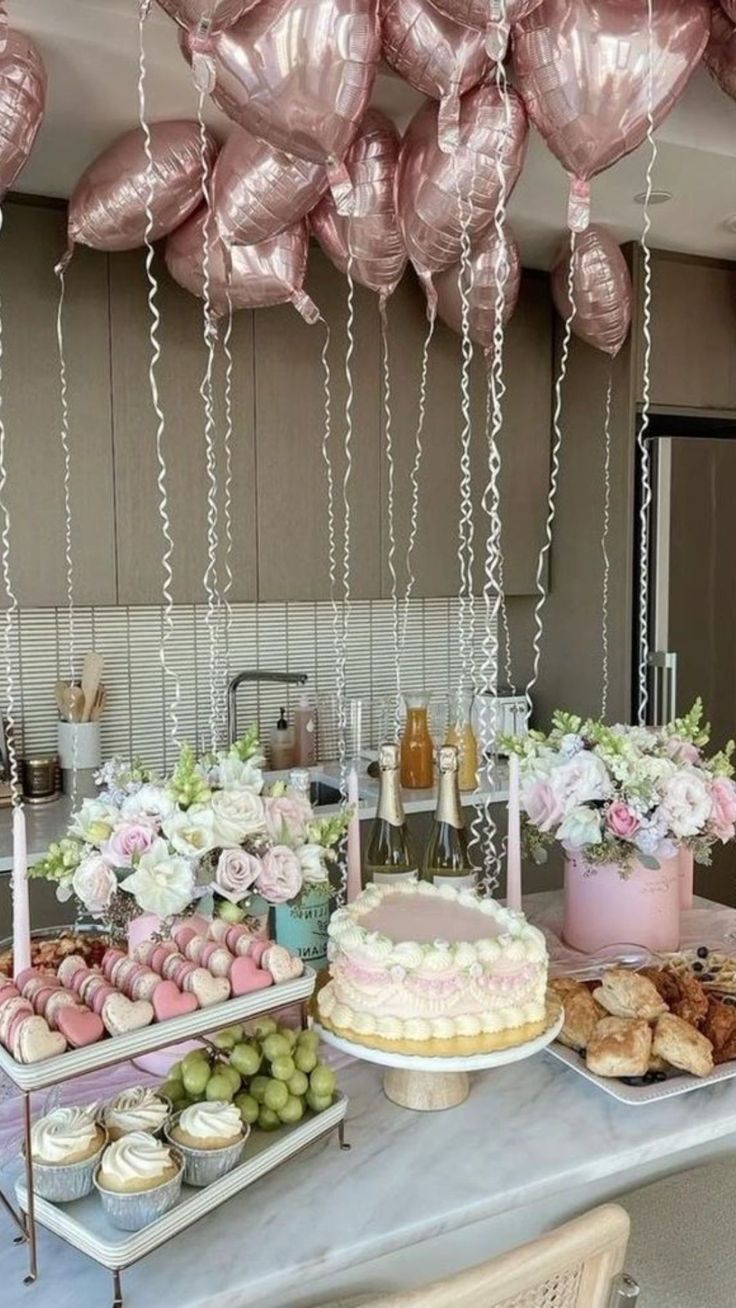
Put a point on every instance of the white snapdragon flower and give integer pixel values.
(232, 773)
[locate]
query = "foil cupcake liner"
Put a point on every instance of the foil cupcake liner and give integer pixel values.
(132, 1211)
(62, 1183)
(203, 1166)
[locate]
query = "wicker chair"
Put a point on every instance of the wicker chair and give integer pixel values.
(580, 1265)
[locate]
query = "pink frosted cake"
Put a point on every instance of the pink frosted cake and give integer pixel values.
(421, 969)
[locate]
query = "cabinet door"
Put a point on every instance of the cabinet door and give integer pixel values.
(180, 372)
(524, 442)
(32, 240)
(292, 484)
(693, 333)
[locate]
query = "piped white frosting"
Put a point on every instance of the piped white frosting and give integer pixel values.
(212, 1120)
(63, 1132)
(137, 1157)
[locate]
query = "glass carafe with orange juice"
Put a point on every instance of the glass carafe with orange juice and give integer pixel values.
(460, 733)
(417, 749)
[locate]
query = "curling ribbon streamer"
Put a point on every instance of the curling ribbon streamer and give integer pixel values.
(414, 476)
(645, 498)
(604, 541)
(227, 510)
(390, 512)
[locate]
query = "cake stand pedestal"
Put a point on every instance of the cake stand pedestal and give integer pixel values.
(429, 1084)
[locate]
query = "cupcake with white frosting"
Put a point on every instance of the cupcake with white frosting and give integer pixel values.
(137, 1109)
(210, 1137)
(138, 1180)
(66, 1145)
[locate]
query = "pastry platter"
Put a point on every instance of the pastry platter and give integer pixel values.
(677, 1083)
(427, 1084)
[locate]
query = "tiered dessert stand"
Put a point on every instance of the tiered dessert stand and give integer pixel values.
(428, 1084)
(83, 1223)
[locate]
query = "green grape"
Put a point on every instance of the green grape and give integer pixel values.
(275, 1095)
(275, 1046)
(318, 1103)
(268, 1120)
(232, 1074)
(179, 1104)
(264, 1026)
(174, 1073)
(308, 1039)
(219, 1087)
(287, 1033)
(196, 1077)
(283, 1068)
(305, 1058)
(292, 1111)
(246, 1059)
(228, 1038)
(171, 1090)
(248, 1107)
(230, 912)
(195, 1056)
(323, 1081)
(298, 1084)
(258, 1087)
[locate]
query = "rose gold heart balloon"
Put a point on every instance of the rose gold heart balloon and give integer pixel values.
(720, 52)
(729, 7)
(435, 55)
(108, 206)
(582, 69)
(371, 232)
(435, 191)
(299, 74)
(258, 191)
(601, 290)
(245, 276)
(493, 17)
(22, 104)
(216, 14)
(490, 258)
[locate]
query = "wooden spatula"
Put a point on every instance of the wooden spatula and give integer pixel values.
(91, 677)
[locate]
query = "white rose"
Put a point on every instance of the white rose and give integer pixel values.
(234, 774)
(237, 814)
(163, 882)
(150, 802)
(580, 780)
(312, 862)
(581, 827)
(192, 833)
(95, 883)
(94, 821)
(685, 803)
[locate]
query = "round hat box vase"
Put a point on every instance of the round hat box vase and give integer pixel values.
(302, 928)
(604, 908)
(160, 1062)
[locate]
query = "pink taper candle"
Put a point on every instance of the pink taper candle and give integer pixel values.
(21, 909)
(513, 848)
(354, 884)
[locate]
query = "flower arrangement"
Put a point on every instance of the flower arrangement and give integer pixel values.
(210, 838)
(625, 794)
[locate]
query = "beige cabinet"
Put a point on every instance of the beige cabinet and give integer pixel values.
(33, 239)
(693, 333)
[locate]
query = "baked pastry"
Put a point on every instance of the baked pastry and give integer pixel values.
(582, 1014)
(137, 1109)
(209, 1125)
(663, 980)
(66, 1135)
(681, 1045)
(424, 969)
(627, 994)
(620, 1046)
(692, 1002)
(719, 1026)
(135, 1163)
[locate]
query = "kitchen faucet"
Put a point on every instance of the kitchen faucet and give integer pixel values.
(285, 678)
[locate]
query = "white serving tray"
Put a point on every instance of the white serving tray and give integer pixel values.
(677, 1083)
(84, 1225)
(159, 1035)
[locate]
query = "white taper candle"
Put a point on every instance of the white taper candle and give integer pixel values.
(513, 854)
(21, 908)
(354, 884)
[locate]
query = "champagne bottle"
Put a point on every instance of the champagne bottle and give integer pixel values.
(389, 856)
(446, 860)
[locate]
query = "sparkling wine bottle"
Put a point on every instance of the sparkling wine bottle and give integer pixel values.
(446, 860)
(389, 856)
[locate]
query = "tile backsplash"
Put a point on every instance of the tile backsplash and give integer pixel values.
(293, 637)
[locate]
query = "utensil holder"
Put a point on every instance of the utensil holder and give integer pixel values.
(79, 749)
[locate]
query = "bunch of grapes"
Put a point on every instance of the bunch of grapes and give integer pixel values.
(271, 1073)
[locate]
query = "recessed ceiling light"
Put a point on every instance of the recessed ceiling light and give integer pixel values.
(656, 197)
(730, 222)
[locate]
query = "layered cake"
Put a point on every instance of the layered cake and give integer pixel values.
(423, 969)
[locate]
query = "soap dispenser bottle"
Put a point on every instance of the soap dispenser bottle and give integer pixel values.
(282, 744)
(305, 733)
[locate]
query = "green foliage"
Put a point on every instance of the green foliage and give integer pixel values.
(61, 861)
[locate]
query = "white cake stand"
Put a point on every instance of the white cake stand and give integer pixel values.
(428, 1084)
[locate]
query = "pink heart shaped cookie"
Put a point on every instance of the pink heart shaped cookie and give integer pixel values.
(168, 1001)
(36, 1041)
(79, 1026)
(245, 976)
(282, 965)
(121, 1015)
(208, 989)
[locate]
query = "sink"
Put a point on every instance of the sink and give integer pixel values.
(321, 793)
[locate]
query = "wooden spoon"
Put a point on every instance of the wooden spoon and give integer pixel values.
(99, 704)
(91, 677)
(76, 704)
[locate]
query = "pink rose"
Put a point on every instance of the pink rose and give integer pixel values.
(128, 842)
(723, 808)
(237, 872)
(683, 751)
(280, 877)
(622, 821)
(287, 818)
(542, 805)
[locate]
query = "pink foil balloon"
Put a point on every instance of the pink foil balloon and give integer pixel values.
(258, 191)
(601, 290)
(108, 206)
(481, 280)
(435, 55)
(489, 16)
(428, 180)
(245, 276)
(217, 14)
(299, 74)
(729, 7)
(22, 104)
(371, 232)
(582, 69)
(720, 52)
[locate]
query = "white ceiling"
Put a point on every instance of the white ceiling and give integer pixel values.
(90, 50)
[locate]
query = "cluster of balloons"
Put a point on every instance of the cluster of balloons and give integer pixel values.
(307, 153)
